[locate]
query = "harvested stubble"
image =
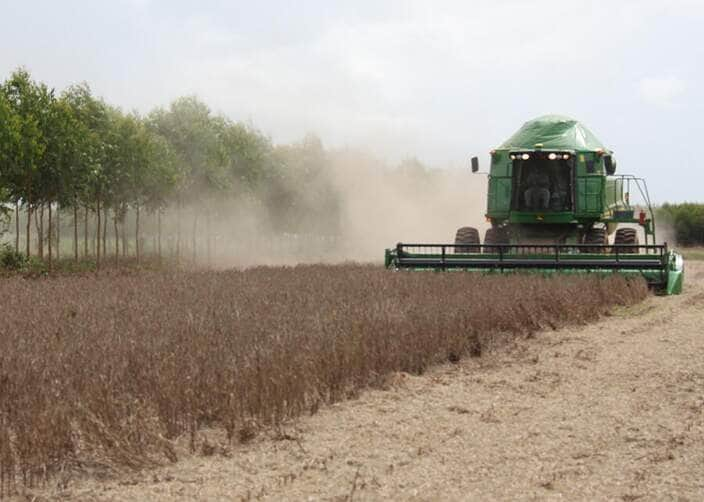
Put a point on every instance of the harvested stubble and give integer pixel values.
(109, 369)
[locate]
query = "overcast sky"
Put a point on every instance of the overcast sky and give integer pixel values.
(438, 80)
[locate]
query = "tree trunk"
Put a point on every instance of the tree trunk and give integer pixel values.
(117, 238)
(29, 227)
(85, 232)
(105, 230)
(50, 238)
(136, 234)
(58, 233)
(40, 230)
(158, 233)
(17, 227)
(97, 234)
(125, 244)
(75, 231)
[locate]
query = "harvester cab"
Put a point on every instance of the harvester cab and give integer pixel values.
(553, 201)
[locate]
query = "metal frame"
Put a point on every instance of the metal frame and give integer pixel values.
(642, 186)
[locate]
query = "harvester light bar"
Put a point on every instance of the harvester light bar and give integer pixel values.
(551, 156)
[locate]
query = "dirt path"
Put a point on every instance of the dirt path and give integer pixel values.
(614, 410)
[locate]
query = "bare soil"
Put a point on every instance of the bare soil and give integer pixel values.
(610, 411)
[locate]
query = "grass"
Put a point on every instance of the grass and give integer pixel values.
(692, 253)
(17, 264)
(110, 369)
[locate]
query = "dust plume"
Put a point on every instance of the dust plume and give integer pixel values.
(355, 206)
(382, 206)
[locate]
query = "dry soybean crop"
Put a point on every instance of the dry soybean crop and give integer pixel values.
(110, 370)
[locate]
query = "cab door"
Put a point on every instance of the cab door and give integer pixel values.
(500, 186)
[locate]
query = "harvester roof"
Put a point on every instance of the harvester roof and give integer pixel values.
(553, 132)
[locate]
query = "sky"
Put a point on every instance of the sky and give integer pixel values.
(441, 81)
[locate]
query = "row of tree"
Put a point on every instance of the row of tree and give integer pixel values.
(73, 151)
(686, 221)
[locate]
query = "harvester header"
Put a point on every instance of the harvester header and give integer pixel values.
(556, 204)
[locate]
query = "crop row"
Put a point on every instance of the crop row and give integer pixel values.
(111, 369)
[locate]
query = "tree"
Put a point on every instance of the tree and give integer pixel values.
(140, 171)
(29, 101)
(157, 181)
(75, 151)
(195, 138)
(9, 151)
(89, 119)
(686, 220)
(59, 166)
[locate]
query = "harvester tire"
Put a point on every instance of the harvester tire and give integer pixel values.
(494, 236)
(596, 236)
(626, 236)
(466, 235)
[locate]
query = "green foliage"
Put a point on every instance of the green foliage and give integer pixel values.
(74, 150)
(193, 134)
(247, 157)
(11, 260)
(89, 118)
(29, 103)
(9, 142)
(687, 221)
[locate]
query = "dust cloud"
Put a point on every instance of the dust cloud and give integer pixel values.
(381, 207)
(375, 205)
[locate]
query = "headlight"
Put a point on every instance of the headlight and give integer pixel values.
(552, 156)
(525, 156)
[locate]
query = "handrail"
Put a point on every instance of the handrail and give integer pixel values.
(642, 186)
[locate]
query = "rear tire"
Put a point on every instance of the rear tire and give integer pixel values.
(467, 235)
(596, 236)
(626, 236)
(494, 236)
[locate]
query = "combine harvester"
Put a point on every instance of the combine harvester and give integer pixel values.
(553, 201)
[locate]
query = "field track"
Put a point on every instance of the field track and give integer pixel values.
(614, 410)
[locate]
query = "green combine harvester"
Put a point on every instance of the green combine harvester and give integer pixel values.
(554, 200)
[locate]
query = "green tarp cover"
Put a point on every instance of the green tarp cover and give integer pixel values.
(555, 132)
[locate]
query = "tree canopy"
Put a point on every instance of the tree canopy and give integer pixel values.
(73, 150)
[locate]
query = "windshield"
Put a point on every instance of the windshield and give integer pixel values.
(543, 182)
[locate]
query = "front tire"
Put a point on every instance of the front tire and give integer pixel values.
(598, 237)
(494, 236)
(626, 236)
(467, 236)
